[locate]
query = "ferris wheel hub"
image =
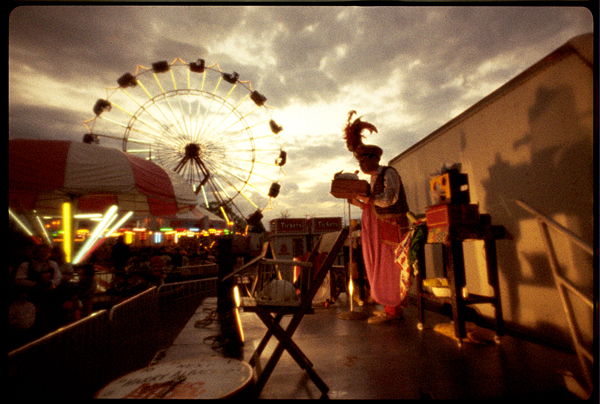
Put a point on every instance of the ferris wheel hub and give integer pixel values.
(192, 150)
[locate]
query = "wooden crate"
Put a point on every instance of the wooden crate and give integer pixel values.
(347, 189)
(446, 215)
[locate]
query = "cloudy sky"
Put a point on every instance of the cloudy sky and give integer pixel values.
(406, 69)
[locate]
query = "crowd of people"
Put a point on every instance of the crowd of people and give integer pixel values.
(137, 267)
(46, 292)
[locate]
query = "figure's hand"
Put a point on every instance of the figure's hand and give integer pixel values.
(355, 202)
(365, 199)
(360, 201)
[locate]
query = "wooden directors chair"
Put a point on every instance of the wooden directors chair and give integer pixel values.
(287, 287)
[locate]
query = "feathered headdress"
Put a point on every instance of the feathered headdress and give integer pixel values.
(353, 132)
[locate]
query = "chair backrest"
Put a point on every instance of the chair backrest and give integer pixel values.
(312, 273)
(307, 276)
(330, 244)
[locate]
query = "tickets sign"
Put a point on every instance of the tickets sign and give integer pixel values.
(326, 224)
(289, 226)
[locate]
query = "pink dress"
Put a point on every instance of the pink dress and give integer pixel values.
(380, 239)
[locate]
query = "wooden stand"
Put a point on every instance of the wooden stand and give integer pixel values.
(452, 237)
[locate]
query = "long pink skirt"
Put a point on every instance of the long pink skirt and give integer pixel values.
(380, 238)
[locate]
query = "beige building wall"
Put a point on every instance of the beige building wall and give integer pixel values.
(531, 140)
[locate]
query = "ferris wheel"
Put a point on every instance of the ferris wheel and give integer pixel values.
(205, 124)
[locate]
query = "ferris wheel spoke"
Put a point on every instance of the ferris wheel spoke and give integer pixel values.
(153, 101)
(132, 98)
(241, 120)
(164, 95)
(215, 191)
(233, 138)
(255, 174)
(237, 121)
(193, 174)
(257, 189)
(228, 176)
(189, 101)
(187, 170)
(255, 162)
(157, 137)
(104, 135)
(155, 132)
(251, 112)
(242, 149)
(221, 106)
(240, 131)
(205, 96)
(215, 132)
(267, 136)
(230, 173)
(168, 158)
(230, 201)
(181, 110)
(112, 121)
(200, 131)
(222, 188)
(177, 124)
(148, 131)
(245, 182)
(195, 123)
(142, 108)
(148, 124)
(203, 189)
(231, 168)
(248, 199)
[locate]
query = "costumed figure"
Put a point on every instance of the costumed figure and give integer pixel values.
(384, 222)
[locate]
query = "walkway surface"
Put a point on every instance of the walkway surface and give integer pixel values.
(358, 360)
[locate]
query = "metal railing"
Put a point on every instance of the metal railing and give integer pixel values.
(134, 312)
(206, 269)
(113, 286)
(87, 330)
(564, 285)
(61, 359)
(172, 292)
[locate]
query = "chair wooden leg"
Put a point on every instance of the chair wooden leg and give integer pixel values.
(285, 337)
(285, 343)
(265, 340)
(270, 366)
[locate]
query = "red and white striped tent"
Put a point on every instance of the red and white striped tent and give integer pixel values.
(45, 173)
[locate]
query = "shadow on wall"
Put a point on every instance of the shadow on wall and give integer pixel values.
(558, 180)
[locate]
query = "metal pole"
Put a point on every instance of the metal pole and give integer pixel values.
(351, 315)
(350, 260)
